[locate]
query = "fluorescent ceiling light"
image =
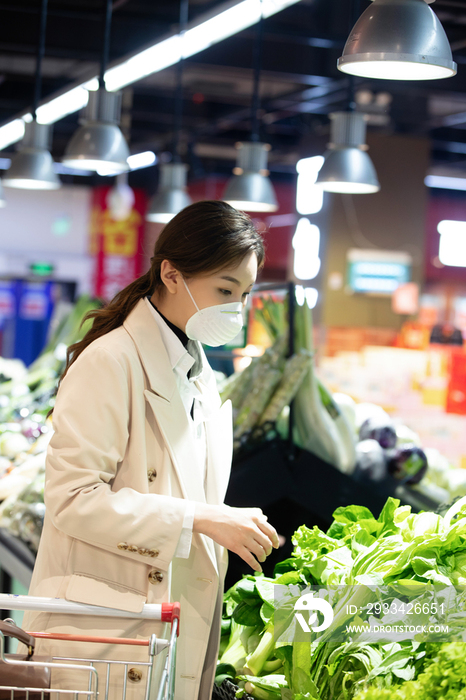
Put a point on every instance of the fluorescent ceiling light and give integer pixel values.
(11, 133)
(447, 227)
(306, 243)
(163, 54)
(445, 183)
(61, 106)
(229, 22)
(310, 166)
(169, 51)
(142, 160)
(309, 196)
(198, 38)
(452, 246)
(135, 162)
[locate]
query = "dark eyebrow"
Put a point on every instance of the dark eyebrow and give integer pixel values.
(231, 279)
(234, 280)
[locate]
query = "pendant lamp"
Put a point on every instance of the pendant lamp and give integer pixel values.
(172, 196)
(99, 144)
(31, 167)
(250, 188)
(347, 167)
(398, 40)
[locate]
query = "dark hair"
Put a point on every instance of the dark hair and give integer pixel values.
(202, 238)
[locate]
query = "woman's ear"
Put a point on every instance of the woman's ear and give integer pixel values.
(169, 276)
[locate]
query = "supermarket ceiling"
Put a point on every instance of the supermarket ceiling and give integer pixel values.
(300, 84)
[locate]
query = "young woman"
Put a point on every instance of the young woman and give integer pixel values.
(139, 462)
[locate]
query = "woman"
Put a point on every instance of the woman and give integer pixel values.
(139, 462)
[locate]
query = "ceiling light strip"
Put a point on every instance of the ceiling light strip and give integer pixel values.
(167, 52)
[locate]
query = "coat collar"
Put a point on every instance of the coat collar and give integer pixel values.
(153, 355)
(143, 329)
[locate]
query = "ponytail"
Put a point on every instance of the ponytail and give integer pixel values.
(202, 238)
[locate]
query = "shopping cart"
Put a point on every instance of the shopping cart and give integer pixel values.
(97, 672)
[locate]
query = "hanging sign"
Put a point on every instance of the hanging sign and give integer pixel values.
(376, 271)
(116, 244)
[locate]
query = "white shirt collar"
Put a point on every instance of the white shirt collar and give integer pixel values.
(179, 357)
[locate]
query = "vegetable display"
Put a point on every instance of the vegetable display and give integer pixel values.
(261, 393)
(408, 463)
(26, 397)
(443, 678)
(397, 565)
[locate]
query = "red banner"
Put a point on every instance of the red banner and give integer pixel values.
(116, 244)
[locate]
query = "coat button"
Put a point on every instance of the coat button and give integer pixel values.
(155, 576)
(154, 552)
(143, 552)
(151, 474)
(135, 675)
(132, 548)
(122, 545)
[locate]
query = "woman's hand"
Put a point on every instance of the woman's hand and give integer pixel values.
(244, 531)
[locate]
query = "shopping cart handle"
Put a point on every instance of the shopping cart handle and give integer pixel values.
(170, 613)
(9, 601)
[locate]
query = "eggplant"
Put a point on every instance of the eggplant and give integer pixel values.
(408, 463)
(379, 429)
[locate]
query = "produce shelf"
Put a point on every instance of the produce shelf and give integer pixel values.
(299, 488)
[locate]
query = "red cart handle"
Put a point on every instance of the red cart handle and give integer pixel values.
(170, 613)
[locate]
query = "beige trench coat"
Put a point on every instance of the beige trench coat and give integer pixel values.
(120, 465)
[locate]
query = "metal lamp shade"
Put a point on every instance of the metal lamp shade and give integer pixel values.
(398, 40)
(32, 166)
(172, 196)
(97, 145)
(349, 171)
(251, 192)
(250, 189)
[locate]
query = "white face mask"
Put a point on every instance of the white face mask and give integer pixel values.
(215, 325)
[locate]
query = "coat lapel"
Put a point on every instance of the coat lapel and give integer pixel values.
(169, 412)
(165, 400)
(151, 350)
(176, 430)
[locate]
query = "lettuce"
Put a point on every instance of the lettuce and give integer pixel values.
(443, 678)
(408, 554)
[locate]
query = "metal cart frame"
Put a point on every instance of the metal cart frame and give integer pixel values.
(166, 612)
